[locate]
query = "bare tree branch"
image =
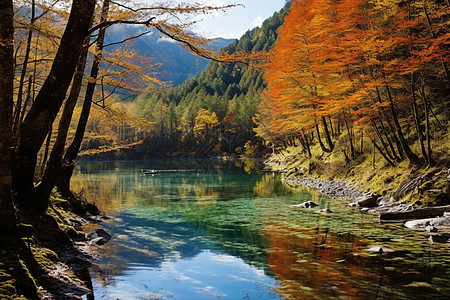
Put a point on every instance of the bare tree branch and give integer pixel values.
(127, 39)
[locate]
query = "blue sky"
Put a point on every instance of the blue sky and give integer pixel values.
(236, 21)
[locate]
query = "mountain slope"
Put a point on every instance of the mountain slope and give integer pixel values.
(225, 95)
(178, 65)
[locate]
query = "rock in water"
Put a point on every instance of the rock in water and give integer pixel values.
(418, 224)
(98, 241)
(380, 249)
(430, 228)
(440, 238)
(98, 233)
(306, 204)
(324, 211)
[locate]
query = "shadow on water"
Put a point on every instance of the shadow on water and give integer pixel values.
(220, 232)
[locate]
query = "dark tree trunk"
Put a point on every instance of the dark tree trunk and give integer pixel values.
(383, 116)
(327, 134)
(380, 137)
(417, 121)
(390, 162)
(333, 134)
(45, 155)
(54, 164)
(427, 125)
(361, 148)
(7, 214)
(27, 100)
(322, 146)
(409, 154)
(350, 139)
(17, 112)
(48, 101)
(74, 148)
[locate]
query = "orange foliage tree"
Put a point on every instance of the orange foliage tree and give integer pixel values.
(358, 63)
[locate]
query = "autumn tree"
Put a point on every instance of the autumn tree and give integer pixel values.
(358, 63)
(48, 101)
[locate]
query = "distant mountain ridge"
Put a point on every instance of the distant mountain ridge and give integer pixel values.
(214, 111)
(178, 65)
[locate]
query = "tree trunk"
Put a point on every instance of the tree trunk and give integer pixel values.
(17, 112)
(45, 155)
(7, 214)
(327, 134)
(27, 100)
(361, 148)
(417, 121)
(390, 162)
(48, 101)
(409, 154)
(54, 164)
(333, 134)
(382, 116)
(380, 137)
(74, 148)
(322, 146)
(352, 148)
(427, 125)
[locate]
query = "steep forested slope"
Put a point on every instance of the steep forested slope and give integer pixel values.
(214, 110)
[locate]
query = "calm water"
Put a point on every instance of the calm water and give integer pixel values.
(218, 232)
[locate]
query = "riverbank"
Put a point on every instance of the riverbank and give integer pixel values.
(410, 203)
(49, 255)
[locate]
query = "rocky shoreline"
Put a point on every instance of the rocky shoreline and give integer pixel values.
(437, 220)
(78, 258)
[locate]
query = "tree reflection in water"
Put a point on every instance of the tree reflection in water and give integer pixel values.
(173, 219)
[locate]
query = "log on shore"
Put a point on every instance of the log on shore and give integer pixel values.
(426, 212)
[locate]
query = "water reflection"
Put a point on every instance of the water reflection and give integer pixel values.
(218, 232)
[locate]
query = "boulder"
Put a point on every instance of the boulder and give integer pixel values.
(324, 211)
(98, 241)
(380, 249)
(370, 201)
(410, 185)
(306, 204)
(98, 233)
(440, 238)
(420, 224)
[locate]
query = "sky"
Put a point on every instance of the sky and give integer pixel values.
(236, 21)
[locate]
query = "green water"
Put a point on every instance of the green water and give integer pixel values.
(216, 231)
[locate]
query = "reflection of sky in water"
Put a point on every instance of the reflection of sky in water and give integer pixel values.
(179, 278)
(229, 235)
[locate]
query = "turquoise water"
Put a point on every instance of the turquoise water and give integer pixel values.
(216, 231)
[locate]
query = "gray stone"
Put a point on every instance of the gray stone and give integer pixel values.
(440, 238)
(418, 224)
(380, 249)
(306, 204)
(324, 211)
(370, 201)
(96, 233)
(430, 228)
(98, 241)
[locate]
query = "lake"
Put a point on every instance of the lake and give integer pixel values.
(223, 230)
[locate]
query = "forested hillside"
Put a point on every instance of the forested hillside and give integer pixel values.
(358, 85)
(212, 113)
